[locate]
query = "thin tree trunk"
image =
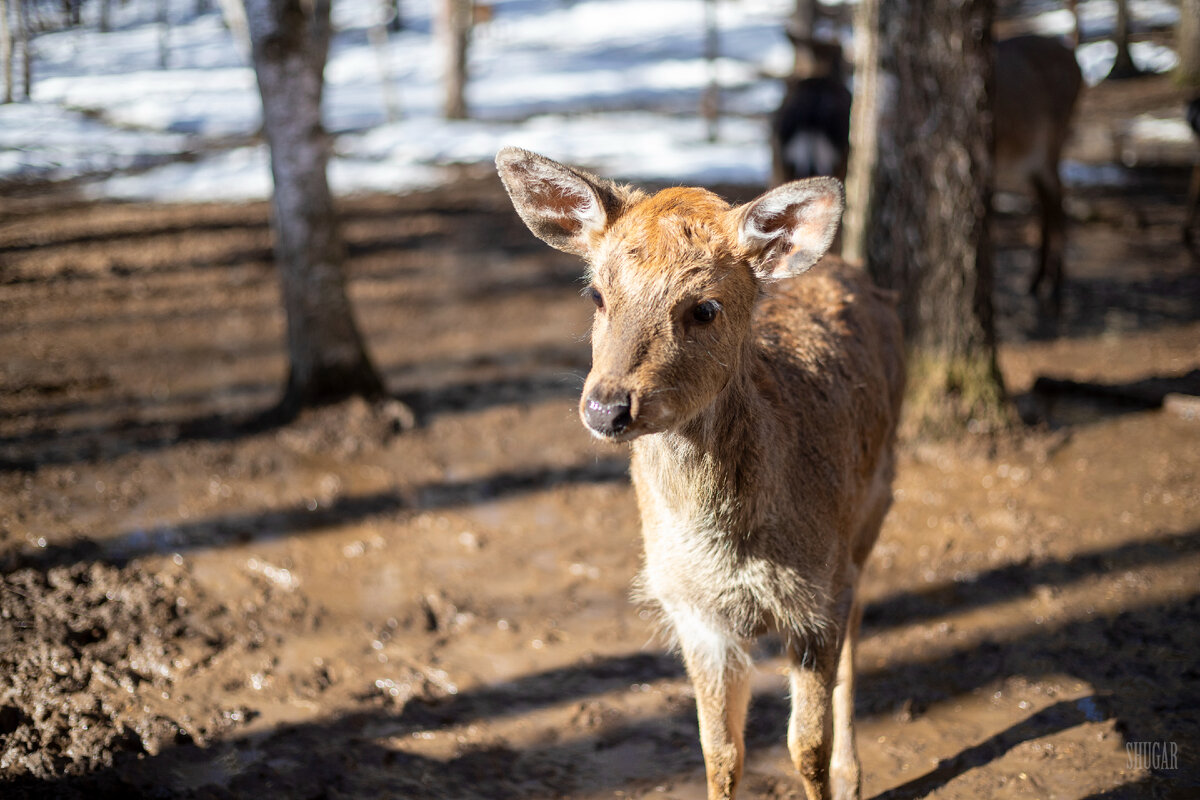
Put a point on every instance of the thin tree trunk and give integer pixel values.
(234, 14)
(1187, 43)
(919, 203)
(377, 36)
(25, 39)
(455, 22)
(1123, 67)
(6, 50)
(164, 30)
(105, 22)
(801, 28)
(328, 360)
(710, 105)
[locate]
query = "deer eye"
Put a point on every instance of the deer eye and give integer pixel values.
(706, 312)
(593, 294)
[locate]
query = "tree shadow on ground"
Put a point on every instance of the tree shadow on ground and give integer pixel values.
(1151, 697)
(1142, 662)
(1059, 402)
(534, 375)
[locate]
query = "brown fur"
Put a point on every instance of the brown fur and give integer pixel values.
(1037, 85)
(762, 439)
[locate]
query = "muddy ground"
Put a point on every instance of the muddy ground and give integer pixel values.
(429, 598)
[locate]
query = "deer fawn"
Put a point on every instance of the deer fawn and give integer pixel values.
(1037, 84)
(762, 413)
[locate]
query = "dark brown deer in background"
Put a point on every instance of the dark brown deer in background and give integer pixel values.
(1193, 198)
(762, 409)
(810, 132)
(1037, 85)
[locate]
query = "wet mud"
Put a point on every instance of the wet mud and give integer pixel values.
(428, 598)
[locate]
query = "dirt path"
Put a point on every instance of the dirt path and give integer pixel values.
(364, 604)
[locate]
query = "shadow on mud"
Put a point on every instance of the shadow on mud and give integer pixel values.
(537, 374)
(1142, 662)
(1158, 286)
(222, 531)
(1060, 403)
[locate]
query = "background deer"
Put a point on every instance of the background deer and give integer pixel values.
(1037, 84)
(762, 413)
(1193, 198)
(810, 131)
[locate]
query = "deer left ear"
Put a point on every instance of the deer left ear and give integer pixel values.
(563, 206)
(789, 228)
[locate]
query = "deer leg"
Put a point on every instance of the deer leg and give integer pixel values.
(810, 730)
(1050, 257)
(721, 679)
(1193, 205)
(844, 767)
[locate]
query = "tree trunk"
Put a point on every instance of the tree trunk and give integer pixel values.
(25, 39)
(801, 28)
(233, 12)
(328, 360)
(919, 198)
(6, 51)
(164, 33)
(1123, 67)
(710, 104)
(1187, 43)
(455, 24)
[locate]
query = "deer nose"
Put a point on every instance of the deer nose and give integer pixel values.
(607, 418)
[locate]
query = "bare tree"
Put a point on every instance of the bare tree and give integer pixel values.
(6, 50)
(918, 182)
(801, 29)
(1187, 43)
(328, 359)
(24, 37)
(710, 103)
(1123, 66)
(454, 30)
(162, 18)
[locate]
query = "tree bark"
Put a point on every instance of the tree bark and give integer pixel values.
(1187, 43)
(6, 50)
(455, 24)
(161, 16)
(801, 28)
(919, 195)
(329, 362)
(25, 39)
(1123, 66)
(710, 103)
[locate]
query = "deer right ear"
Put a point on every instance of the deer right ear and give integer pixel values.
(564, 207)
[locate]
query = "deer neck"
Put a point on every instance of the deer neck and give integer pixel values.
(711, 465)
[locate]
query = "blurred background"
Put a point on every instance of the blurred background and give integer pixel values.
(294, 499)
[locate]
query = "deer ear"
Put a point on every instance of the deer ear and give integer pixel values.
(789, 228)
(563, 206)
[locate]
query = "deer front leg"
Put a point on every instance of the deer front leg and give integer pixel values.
(721, 678)
(810, 730)
(846, 772)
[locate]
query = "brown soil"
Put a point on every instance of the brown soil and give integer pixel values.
(428, 599)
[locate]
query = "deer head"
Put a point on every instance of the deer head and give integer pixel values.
(674, 276)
